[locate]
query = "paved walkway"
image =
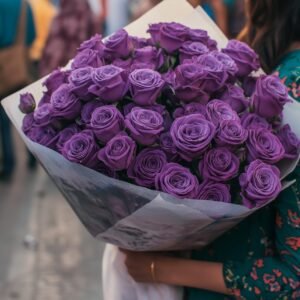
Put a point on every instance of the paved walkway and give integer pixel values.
(45, 252)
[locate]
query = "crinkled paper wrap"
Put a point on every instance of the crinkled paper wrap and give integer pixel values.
(130, 216)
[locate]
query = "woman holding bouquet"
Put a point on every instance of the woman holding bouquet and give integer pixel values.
(259, 258)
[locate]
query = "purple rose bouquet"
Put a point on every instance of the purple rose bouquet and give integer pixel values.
(171, 113)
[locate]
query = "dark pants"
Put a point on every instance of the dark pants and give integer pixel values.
(7, 149)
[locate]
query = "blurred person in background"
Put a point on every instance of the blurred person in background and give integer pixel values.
(73, 24)
(12, 33)
(260, 257)
(141, 7)
(117, 15)
(236, 16)
(43, 12)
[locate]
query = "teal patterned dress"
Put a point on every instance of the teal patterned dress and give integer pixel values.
(261, 255)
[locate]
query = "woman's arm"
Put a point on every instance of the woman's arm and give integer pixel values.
(176, 271)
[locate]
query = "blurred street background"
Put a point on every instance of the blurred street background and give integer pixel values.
(45, 252)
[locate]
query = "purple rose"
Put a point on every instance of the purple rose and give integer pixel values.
(188, 109)
(217, 111)
(65, 135)
(139, 42)
(290, 142)
(123, 63)
(28, 123)
(231, 134)
(216, 191)
(64, 103)
(42, 115)
(191, 49)
(109, 83)
(248, 85)
(45, 136)
(149, 55)
(145, 86)
(172, 35)
(87, 110)
(234, 96)
(154, 31)
(80, 80)
(219, 164)
(228, 63)
(144, 125)
(167, 144)
(148, 163)
(264, 145)
(188, 81)
(199, 35)
(87, 58)
(177, 181)
(55, 80)
(216, 74)
(192, 135)
(45, 98)
(269, 97)
(119, 153)
(260, 183)
(82, 148)
(253, 121)
(245, 57)
(27, 103)
(118, 45)
(106, 122)
(94, 43)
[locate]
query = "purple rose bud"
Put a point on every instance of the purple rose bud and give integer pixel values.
(172, 35)
(64, 103)
(248, 85)
(94, 43)
(42, 115)
(109, 83)
(27, 103)
(177, 181)
(253, 121)
(65, 135)
(145, 86)
(87, 58)
(80, 80)
(269, 97)
(106, 122)
(199, 35)
(146, 166)
(144, 125)
(28, 123)
(167, 144)
(217, 111)
(219, 164)
(82, 148)
(119, 153)
(154, 31)
(228, 63)
(216, 191)
(216, 74)
(192, 135)
(260, 183)
(45, 136)
(149, 55)
(87, 110)
(245, 57)
(55, 80)
(118, 45)
(231, 134)
(264, 145)
(290, 142)
(190, 49)
(234, 96)
(188, 83)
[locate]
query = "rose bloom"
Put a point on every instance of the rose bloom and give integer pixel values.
(269, 97)
(191, 49)
(178, 181)
(260, 183)
(119, 153)
(192, 135)
(148, 163)
(219, 164)
(144, 125)
(264, 145)
(55, 80)
(254, 121)
(216, 191)
(80, 80)
(87, 58)
(64, 135)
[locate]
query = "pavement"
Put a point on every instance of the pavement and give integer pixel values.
(45, 252)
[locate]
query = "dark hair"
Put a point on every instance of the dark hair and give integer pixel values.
(272, 26)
